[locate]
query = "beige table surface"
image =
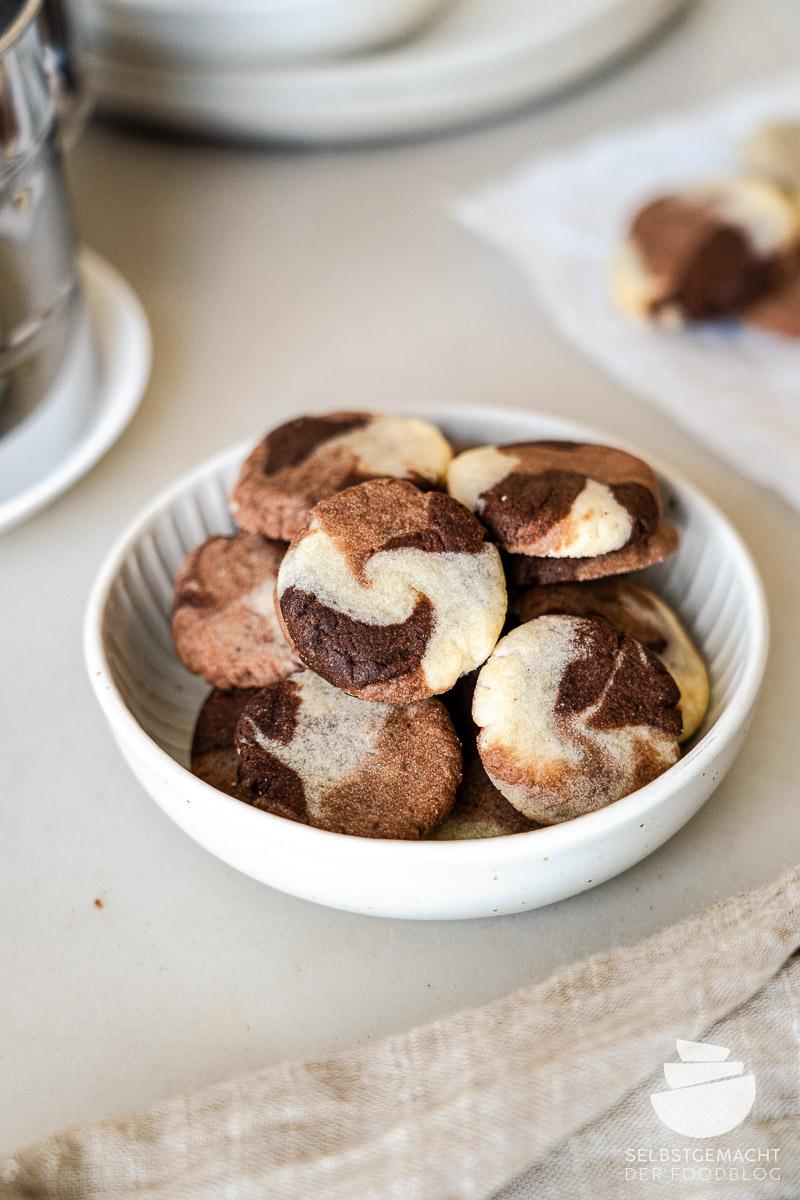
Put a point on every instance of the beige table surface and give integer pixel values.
(275, 280)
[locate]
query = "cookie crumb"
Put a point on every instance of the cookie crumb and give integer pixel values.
(98, 903)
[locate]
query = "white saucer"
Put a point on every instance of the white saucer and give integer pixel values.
(226, 32)
(482, 58)
(123, 349)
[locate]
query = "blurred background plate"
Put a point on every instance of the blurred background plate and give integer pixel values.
(226, 32)
(479, 59)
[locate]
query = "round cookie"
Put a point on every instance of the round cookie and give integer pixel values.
(312, 753)
(392, 593)
(573, 714)
(523, 570)
(480, 811)
(704, 252)
(643, 615)
(565, 502)
(214, 757)
(311, 458)
(224, 623)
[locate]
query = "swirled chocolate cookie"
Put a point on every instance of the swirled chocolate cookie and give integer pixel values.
(312, 458)
(573, 715)
(224, 623)
(523, 570)
(392, 593)
(704, 252)
(568, 503)
(480, 811)
(639, 612)
(312, 753)
(214, 757)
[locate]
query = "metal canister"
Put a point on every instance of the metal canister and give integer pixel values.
(43, 321)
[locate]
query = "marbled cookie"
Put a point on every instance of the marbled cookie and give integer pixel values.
(312, 753)
(639, 612)
(312, 458)
(523, 570)
(392, 593)
(573, 714)
(561, 501)
(224, 623)
(704, 252)
(214, 757)
(480, 811)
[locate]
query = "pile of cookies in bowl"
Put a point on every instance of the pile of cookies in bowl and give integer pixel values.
(408, 640)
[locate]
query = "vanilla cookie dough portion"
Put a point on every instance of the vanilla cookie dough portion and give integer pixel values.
(773, 153)
(214, 757)
(224, 624)
(641, 614)
(704, 252)
(311, 458)
(556, 499)
(573, 715)
(392, 593)
(480, 811)
(311, 753)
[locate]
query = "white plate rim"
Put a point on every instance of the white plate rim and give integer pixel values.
(415, 89)
(124, 372)
(584, 830)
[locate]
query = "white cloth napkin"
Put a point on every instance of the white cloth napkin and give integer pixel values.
(542, 1094)
(559, 218)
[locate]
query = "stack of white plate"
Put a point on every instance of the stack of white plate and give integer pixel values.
(344, 70)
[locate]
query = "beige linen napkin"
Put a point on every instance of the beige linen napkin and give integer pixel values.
(552, 1081)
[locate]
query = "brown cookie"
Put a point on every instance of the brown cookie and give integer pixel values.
(224, 623)
(639, 612)
(562, 503)
(522, 570)
(312, 753)
(392, 593)
(480, 811)
(214, 757)
(573, 715)
(704, 252)
(311, 458)
(779, 310)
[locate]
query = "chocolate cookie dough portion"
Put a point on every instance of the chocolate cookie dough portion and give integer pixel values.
(312, 458)
(480, 811)
(311, 753)
(573, 715)
(637, 611)
(704, 252)
(392, 593)
(224, 623)
(778, 311)
(214, 757)
(558, 499)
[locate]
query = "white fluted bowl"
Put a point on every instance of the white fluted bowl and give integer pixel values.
(151, 703)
